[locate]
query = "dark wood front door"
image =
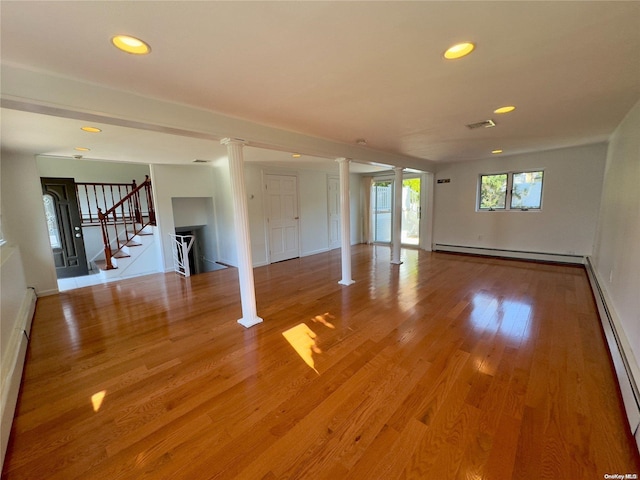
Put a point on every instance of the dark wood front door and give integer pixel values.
(64, 226)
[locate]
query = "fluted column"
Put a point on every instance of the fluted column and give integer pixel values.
(396, 236)
(345, 221)
(241, 225)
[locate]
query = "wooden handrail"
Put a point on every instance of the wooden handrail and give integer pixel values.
(94, 195)
(110, 217)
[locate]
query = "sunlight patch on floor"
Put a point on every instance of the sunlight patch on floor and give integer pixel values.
(96, 399)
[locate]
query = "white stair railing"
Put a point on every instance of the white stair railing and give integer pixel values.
(182, 246)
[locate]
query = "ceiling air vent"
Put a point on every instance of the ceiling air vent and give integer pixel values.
(484, 124)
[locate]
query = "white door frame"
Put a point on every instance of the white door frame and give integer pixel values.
(267, 209)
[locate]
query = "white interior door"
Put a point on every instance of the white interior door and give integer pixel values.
(282, 211)
(333, 198)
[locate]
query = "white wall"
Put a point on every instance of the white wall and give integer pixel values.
(17, 307)
(12, 292)
(314, 214)
(190, 212)
(565, 225)
(224, 212)
(170, 181)
(23, 220)
(256, 211)
(356, 206)
(617, 253)
(426, 204)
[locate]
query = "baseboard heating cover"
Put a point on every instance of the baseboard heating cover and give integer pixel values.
(624, 361)
(12, 364)
(517, 254)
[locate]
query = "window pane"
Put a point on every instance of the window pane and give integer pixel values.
(410, 211)
(527, 190)
(381, 200)
(52, 221)
(493, 191)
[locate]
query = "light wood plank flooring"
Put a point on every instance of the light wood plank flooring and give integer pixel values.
(444, 367)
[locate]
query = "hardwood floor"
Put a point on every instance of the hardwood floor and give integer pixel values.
(444, 367)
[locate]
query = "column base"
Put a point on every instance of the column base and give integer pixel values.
(347, 282)
(250, 322)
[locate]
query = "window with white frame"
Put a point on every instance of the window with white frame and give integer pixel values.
(520, 191)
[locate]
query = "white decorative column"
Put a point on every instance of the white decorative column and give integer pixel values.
(345, 222)
(396, 236)
(245, 266)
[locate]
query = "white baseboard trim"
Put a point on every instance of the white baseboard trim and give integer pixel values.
(624, 361)
(314, 252)
(12, 365)
(46, 293)
(516, 254)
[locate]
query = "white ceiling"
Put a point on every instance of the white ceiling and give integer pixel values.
(337, 70)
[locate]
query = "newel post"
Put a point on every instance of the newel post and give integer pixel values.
(105, 239)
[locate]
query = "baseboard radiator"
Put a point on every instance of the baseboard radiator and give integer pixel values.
(516, 254)
(12, 365)
(623, 359)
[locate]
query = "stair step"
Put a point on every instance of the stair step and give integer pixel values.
(142, 233)
(130, 243)
(102, 265)
(121, 255)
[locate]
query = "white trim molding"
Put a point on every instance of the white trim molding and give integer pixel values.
(624, 361)
(515, 254)
(12, 365)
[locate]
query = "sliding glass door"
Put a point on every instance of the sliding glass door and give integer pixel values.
(382, 210)
(411, 211)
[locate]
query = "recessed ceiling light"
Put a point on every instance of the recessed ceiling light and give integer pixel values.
(296, 155)
(505, 109)
(91, 129)
(130, 44)
(495, 152)
(459, 50)
(82, 149)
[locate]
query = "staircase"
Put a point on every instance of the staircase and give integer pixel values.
(127, 227)
(138, 256)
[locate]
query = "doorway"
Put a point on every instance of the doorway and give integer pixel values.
(382, 210)
(64, 227)
(411, 211)
(382, 199)
(281, 192)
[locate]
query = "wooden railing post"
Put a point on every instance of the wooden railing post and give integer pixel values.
(150, 207)
(136, 203)
(105, 239)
